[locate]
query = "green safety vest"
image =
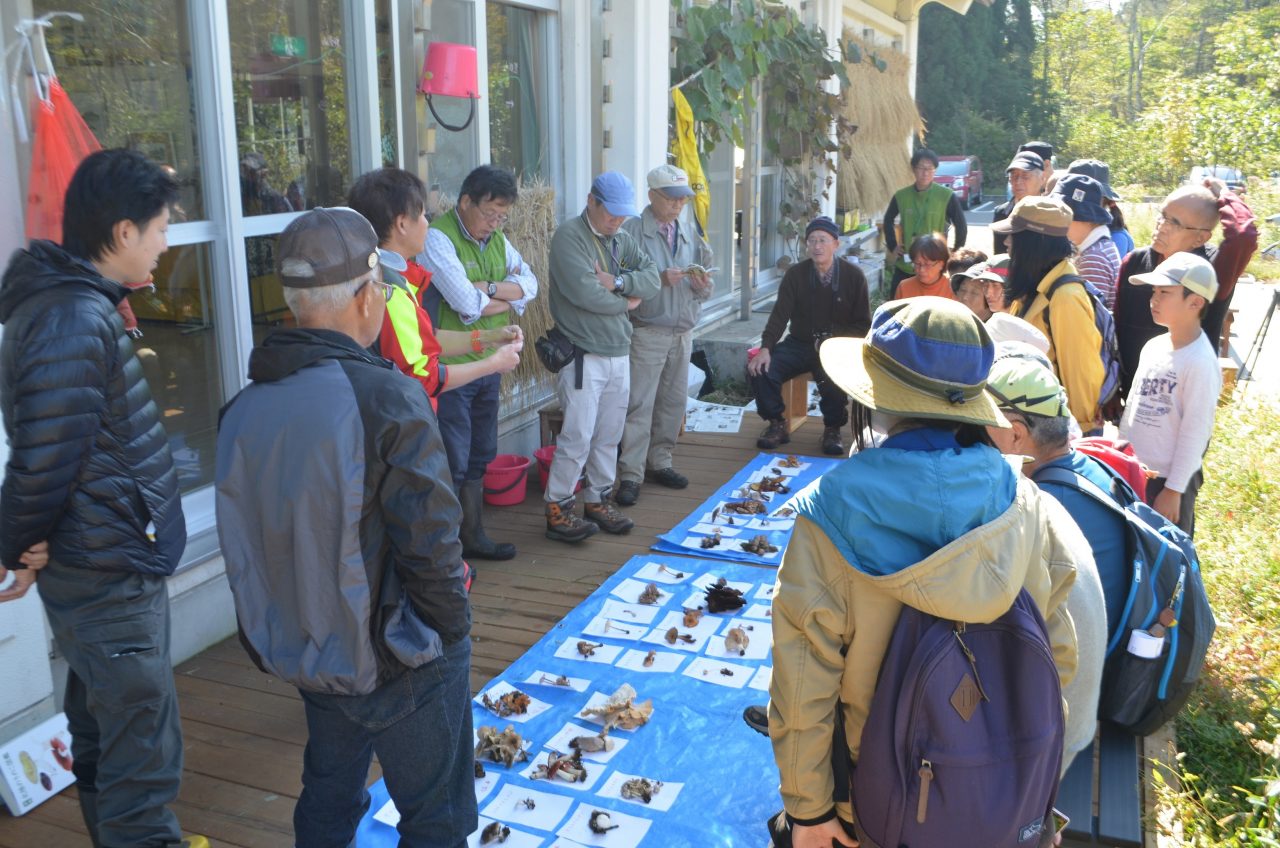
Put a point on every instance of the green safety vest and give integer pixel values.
(921, 212)
(489, 263)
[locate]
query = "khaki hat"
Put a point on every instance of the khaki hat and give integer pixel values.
(925, 357)
(671, 181)
(1038, 214)
(1025, 385)
(1191, 272)
(338, 243)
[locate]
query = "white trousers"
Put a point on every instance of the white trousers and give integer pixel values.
(593, 419)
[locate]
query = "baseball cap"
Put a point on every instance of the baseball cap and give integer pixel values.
(1045, 215)
(1085, 196)
(671, 181)
(615, 193)
(1025, 385)
(1099, 170)
(994, 270)
(337, 242)
(1191, 272)
(1026, 161)
(1043, 149)
(1007, 329)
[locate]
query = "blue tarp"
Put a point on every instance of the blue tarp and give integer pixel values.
(695, 736)
(684, 539)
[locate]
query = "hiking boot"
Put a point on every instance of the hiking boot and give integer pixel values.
(668, 477)
(475, 542)
(777, 433)
(564, 525)
(605, 515)
(757, 718)
(628, 493)
(832, 443)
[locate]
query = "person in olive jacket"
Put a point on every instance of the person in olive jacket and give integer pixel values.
(90, 483)
(819, 298)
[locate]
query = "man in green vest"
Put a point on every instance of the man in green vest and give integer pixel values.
(477, 281)
(921, 208)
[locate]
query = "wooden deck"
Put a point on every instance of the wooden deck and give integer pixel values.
(245, 731)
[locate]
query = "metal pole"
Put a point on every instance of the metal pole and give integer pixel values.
(750, 203)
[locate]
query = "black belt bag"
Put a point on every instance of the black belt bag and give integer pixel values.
(555, 351)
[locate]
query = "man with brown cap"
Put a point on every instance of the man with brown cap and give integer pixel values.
(340, 531)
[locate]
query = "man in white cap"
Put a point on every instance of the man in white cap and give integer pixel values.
(662, 335)
(1168, 415)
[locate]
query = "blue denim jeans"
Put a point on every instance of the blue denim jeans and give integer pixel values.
(419, 725)
(468, 418)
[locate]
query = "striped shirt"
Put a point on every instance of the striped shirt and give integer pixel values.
(1099, 263)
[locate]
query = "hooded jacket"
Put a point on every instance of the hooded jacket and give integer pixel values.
(950, 531)
(336, 517)
(89, 466)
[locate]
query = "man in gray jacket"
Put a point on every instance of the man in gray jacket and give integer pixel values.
(598, 274)
(340, 530)
(662, 335)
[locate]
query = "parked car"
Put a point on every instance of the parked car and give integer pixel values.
(1231, 176)
(963, 175)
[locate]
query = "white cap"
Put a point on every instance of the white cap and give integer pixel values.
(671, 181)
(1191, 272)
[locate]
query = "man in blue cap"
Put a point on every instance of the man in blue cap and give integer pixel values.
(599, 273)
(1090, 231)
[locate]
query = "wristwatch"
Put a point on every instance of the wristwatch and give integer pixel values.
(493, 289)
(618, 283)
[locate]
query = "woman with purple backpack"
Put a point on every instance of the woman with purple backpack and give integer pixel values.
(891, 551)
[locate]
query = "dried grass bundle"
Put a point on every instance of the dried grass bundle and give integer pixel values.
(879, 103)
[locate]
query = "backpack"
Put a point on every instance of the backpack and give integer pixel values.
(1106, 324)
(962, 744)
(1120, 457)
(1146, 679)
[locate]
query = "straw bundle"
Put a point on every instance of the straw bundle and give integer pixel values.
(879, 103)
(530, 227)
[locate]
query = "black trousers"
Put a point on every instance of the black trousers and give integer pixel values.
(789, 358)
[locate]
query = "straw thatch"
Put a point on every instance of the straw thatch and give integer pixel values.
(879, 103)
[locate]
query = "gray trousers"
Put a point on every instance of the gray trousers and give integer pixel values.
(593, 419)
(659, 390)
(121, 705)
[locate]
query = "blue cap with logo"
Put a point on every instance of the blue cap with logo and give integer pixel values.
(1085, 196)
(615, 192)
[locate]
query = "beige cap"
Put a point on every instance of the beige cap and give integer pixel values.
(1191, 272)
(1038, 214)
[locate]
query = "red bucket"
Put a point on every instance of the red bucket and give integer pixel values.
(544, 455)
(506, 480)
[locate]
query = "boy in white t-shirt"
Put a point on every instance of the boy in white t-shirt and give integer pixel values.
(1168, 415)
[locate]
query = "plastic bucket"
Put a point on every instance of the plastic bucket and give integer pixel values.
(544, 455)
(506, 480)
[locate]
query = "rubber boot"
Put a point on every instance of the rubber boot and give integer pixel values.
(475, 543)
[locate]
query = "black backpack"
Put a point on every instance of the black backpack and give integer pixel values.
(1140, 693)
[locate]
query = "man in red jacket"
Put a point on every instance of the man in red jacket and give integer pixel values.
(1239, 241)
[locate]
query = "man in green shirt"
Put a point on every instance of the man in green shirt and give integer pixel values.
(921, 208)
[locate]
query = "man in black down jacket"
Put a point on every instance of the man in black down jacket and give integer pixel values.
(339, 526)
(90, 474)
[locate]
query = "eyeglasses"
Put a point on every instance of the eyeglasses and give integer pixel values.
(492, 217)
(1162, 218)
(387, 288)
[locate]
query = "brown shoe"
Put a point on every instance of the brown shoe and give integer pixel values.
(606, 516)
(777, 433)
(564, 525)
(832, 442)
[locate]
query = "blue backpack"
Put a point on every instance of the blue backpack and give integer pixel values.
(1106, 324)
(1141, 692)
(963, 741)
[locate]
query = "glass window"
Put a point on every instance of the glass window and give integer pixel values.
(266, 296)
(516, 85)
(386, 84)
(289, 84)
(449, 156)
(127, 68)
(178, 351)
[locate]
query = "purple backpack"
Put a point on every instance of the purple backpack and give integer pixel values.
(963, 742)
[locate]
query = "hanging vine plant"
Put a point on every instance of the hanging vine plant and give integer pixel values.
(723, 49)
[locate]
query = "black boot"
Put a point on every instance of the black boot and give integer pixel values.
(475, 543)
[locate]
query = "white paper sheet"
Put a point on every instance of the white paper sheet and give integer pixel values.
(594, 771)
(560, 742)
(518, 838)
(502, 687)
(605, 654)
(702, 581)
(598, 698)
(630, 830)
(508, 807)
(763, 612)
(543, 678)
(629, 591)
(764, 592)
(563, 842)
(607, 627)
(760, 640)
(663, 661)
(656, 572)
(388, 814)
(709, 529)
(710, 671)
(763, 677)
(619, 611)
(769, 525)
(661, 802)
(706, 627)
(485, 785)
(658, 636)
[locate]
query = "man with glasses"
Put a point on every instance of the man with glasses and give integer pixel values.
(340, 535)
(921, 208)
(662, 335)
(478, 279)
(1185, 224)
(818, 298)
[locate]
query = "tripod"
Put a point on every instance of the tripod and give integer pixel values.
(1255, 349)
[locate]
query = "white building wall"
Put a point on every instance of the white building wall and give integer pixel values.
(636, 75)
